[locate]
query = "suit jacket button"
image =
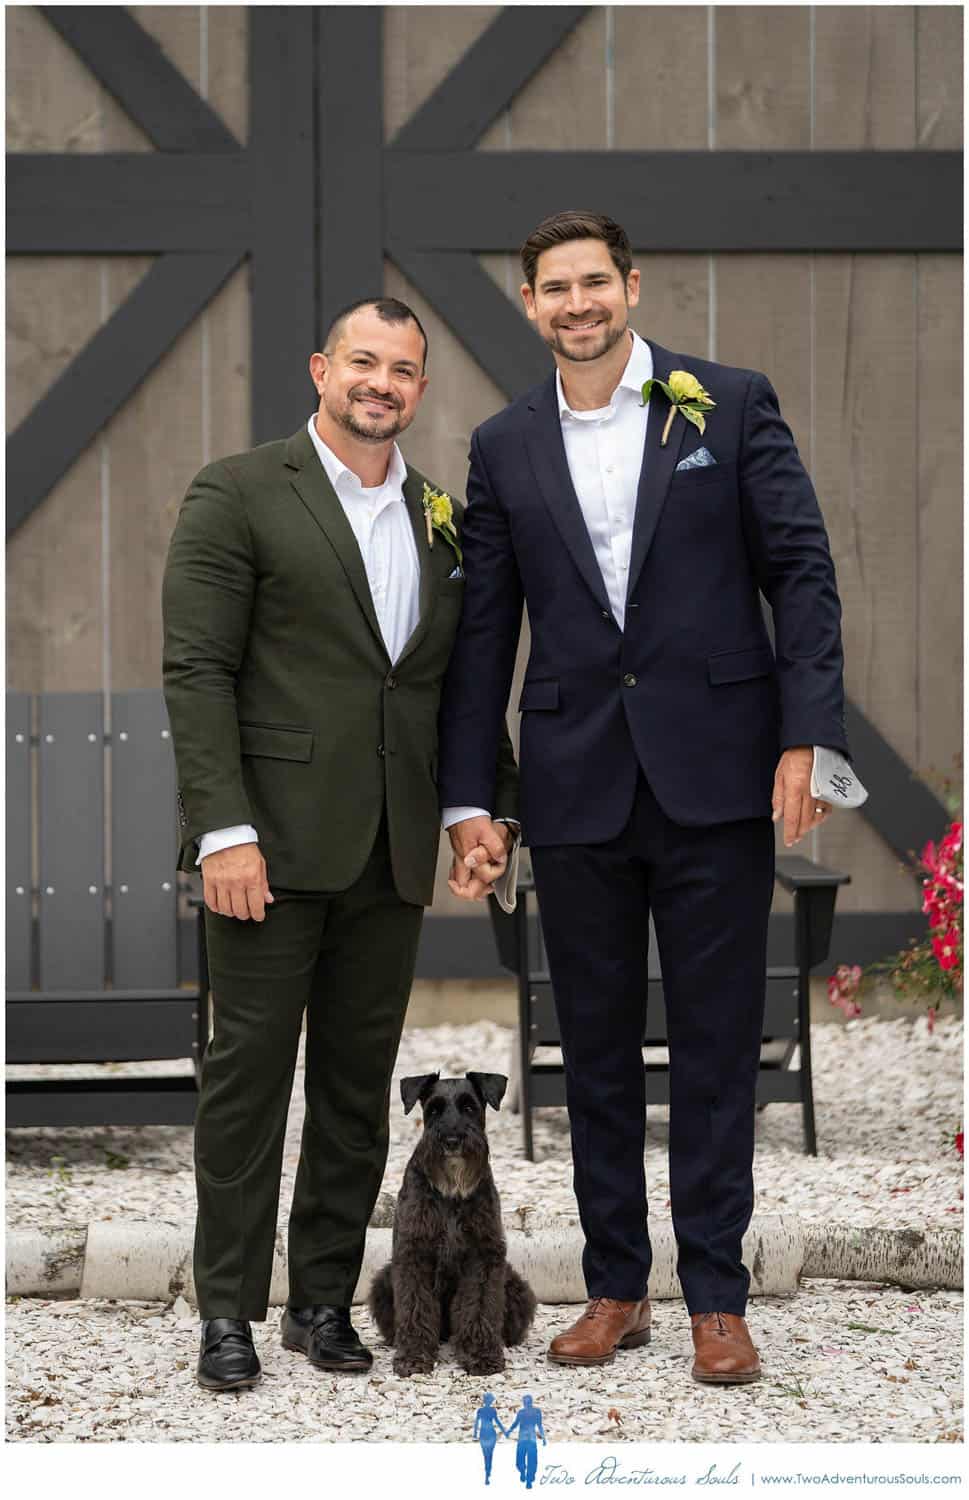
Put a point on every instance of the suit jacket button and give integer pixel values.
(391, 682)
(381, 750)
(606, 615)
(629, 680)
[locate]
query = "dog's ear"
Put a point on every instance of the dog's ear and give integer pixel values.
(412, 1089)
(490, 1087)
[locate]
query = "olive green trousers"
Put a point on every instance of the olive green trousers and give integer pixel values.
(347, 960)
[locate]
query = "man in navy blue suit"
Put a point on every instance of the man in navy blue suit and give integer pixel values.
(661, 737)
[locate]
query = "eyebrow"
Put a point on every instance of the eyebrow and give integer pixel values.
(557, 280)
(411, 364)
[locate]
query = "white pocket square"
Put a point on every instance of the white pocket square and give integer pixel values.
(700, 458)
(457, 573)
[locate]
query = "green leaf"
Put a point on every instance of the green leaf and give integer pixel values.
(695, 417)
(666, 389)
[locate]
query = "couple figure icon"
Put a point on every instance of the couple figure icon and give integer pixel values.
(529, 1425)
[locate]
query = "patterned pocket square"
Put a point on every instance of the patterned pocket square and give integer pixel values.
(702, 458)
(458, 573)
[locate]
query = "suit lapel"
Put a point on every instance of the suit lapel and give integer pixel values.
(658, 466)
(413, 498)
(318, 495)
(547, 453)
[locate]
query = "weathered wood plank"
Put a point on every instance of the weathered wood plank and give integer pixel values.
(762, 303)
(864, 76)
(939, 34)
(54, 611)
(421, 44)
(539, 117)
(763, 79)
(225, 390)
(155, 441)
(866, 466)
(659, 63)
(938, 626)
(939, 39)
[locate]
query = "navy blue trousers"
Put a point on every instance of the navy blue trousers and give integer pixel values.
(709, 890)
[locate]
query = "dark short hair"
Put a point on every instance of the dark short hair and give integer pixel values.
(388, 308)
(577, 224)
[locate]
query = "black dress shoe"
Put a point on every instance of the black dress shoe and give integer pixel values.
(227, 1358)
(326, 1336)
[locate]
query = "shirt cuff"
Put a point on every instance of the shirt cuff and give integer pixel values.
(451, 815)
(226, 838)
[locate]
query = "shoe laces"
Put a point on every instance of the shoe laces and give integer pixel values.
(597, 1306)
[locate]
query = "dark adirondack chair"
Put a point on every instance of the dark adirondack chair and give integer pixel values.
(787, 1022)
(95, 971)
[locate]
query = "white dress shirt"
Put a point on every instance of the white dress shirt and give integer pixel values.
(382, 527)
(604, 449)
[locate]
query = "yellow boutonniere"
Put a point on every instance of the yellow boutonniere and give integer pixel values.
(686, 395)
(439, 516)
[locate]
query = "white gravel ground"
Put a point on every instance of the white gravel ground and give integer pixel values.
(842, 1361)
(889, 1098)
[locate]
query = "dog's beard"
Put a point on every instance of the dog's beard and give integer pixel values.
(455, 1175)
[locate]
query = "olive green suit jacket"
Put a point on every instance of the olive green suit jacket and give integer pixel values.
(285, 709)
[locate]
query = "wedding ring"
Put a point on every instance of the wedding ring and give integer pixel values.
(818, 811)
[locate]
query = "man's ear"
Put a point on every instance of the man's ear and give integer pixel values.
(412, 1089)
(318, 367)
(490, 1087)
(528, 297)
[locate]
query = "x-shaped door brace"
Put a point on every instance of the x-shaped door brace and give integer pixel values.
(316, 199)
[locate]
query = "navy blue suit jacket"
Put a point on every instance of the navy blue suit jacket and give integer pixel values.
(690, 690)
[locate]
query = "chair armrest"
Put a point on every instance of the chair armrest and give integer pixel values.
(795, 872)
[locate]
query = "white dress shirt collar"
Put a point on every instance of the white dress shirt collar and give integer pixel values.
(337, 471)
(639, 369)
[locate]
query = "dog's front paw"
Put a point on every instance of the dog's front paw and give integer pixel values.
(483, 1364)
(413, 1364)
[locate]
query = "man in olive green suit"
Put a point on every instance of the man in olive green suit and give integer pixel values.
(309, 616)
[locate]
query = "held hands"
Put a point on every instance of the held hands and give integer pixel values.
(235, 882)
(481, 849)
(791, 797)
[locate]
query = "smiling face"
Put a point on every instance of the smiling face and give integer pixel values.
(579, 303)
(370, 380)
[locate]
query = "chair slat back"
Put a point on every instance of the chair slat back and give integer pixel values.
(143, 843)
(19, 900)
(71, 841)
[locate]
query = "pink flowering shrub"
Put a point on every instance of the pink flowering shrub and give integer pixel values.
(933, 966)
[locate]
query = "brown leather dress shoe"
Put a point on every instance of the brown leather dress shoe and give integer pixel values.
(605, 1326)
(725, 1354)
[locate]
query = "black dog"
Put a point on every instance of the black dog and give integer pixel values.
(448, 1277)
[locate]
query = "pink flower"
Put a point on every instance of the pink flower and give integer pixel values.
(946, 950)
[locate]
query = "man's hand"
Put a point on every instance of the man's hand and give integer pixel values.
(481, 850)
(235, 882)
(791, 798)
